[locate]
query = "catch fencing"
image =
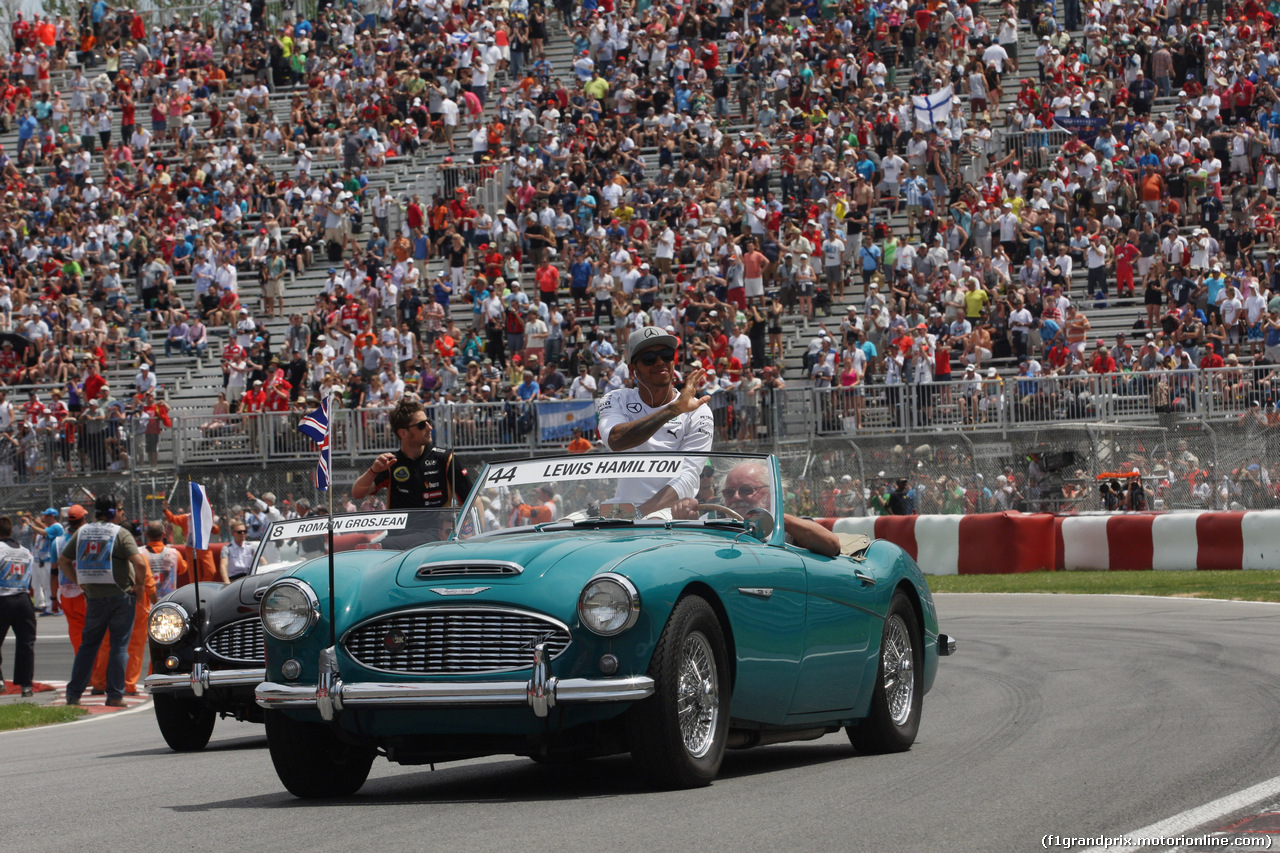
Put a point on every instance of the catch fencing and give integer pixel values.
(841, 449)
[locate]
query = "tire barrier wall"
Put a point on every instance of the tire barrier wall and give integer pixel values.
(1009, 542)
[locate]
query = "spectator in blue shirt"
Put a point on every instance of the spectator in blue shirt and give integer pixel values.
(27, 127)
(528, 389)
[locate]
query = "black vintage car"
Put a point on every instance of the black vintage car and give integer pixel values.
(190, 694)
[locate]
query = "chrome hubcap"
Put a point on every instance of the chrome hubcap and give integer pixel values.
(698, 695)
(899, 674)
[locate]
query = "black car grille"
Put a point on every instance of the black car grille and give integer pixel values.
(241, 642)
(454, 640)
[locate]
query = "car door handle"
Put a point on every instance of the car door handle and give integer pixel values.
(866, 579)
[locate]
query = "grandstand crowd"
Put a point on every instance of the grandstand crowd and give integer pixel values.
(719, 169)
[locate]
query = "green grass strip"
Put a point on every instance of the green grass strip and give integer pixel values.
(23, 715)
(1234, 586)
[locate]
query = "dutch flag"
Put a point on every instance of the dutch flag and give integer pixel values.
(201, 519)
(315, 426)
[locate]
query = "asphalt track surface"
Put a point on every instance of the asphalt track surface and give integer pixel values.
(1067, 715)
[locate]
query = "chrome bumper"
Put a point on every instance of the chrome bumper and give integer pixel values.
(541, 693)
(946, 645)
(198, 682)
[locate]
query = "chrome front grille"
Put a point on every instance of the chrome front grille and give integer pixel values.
(241, 642)
(444, 641)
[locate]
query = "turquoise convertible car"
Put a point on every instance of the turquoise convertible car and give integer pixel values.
(560, 622)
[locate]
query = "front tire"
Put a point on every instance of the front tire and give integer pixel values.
(185, 722)
(899, 694)
(312, 762)
(678, 734)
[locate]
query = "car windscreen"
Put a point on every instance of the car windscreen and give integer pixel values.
(618, 488)
(294, 541)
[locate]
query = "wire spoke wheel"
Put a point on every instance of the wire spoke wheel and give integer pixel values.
(893, 719)
(677, 736)
(698, 697)
(899, 680)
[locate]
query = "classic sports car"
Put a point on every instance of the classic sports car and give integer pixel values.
(190, 691)
(561, 623)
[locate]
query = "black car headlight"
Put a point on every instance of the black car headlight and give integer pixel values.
(609, 604)
(168, 623)
(289, 610)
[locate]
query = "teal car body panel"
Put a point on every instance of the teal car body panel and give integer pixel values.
(804, 653)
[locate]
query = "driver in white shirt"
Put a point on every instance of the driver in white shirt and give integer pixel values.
(653, 416)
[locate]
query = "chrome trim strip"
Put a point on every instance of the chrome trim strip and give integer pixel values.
(765, 592)
(181, 682)
(457, 694)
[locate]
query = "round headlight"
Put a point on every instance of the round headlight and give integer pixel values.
(289, 610)
(167, 623)
(609, 604)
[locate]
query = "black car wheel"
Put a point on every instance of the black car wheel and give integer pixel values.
(898, 697)
(678, 734)
(184, 721)
(312, 762)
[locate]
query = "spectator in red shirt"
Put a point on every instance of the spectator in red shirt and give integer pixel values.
(1103, 362)
(548, 278)
(33, 408)
(1125, 256)
(1211, 359)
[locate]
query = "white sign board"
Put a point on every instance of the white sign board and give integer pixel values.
(301, 528)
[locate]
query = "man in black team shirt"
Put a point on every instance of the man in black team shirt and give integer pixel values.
(418, 475)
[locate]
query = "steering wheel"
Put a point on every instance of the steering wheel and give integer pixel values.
(719, 508)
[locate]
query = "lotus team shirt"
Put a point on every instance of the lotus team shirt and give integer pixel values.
(432, 480)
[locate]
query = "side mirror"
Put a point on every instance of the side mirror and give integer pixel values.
(759, 524)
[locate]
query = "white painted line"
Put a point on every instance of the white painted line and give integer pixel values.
(1182, 823)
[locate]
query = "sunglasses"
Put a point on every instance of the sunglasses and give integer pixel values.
(744, 492)
(419, 425)
(237, 532)
(650, 357)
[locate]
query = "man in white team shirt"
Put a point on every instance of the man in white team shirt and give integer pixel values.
(653, 416)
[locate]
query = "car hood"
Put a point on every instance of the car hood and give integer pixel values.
(554, 567)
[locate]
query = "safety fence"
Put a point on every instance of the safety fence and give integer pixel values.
(1035, 148)
(1011, 542)
(1159, 397)
(841, 451)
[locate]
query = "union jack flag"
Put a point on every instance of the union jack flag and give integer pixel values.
(316, 427)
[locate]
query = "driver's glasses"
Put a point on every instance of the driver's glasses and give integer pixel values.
(743, 492)
(422, 424)
(650, 357)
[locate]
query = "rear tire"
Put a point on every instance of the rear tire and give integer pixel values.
(899, 694)
(678, 734)
(185, 722)
(312, 762)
